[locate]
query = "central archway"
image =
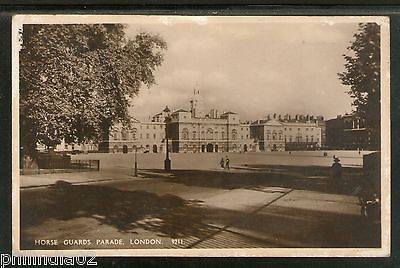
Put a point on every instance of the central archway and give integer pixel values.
(125, 149)
(210, 148)
(154, 148)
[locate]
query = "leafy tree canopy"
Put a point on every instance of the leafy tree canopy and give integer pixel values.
(362, 75)
(76, 80)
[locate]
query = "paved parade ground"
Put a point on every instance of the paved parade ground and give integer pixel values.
(264, 200)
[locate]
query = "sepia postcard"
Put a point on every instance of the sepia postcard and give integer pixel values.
(149, 135)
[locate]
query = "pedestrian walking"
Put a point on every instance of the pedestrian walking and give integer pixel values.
(227, 163)
(222, 163)
(336, 172)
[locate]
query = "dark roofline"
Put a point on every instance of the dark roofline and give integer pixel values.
(228, 113)
(180, 110)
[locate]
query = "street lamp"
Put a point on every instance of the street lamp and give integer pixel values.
(167, 161)
(135, 170)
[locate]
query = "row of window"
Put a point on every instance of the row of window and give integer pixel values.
(132, 135)
(298, 129)
(154, 127)
(209, 135)
(297, 138)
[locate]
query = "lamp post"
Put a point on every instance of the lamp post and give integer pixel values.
(167, 161)
(135, 170)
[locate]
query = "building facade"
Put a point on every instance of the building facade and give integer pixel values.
(194, 130)
(347, 132)
(286, 133)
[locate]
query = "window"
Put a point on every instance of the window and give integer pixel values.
(290, 138)
(234, 134)
(210, 134)
(285, 138)
(194, 134)
(124, 135)
(285, 129)
(147, 135)
(154, 135)
(202, 135)
(290, 129)
(223, 135)
(161, 126)
(184, 117)
(147, 127)
(298, 129)
(312, 138)
(306, 128)
(247, 136)
(185, 134)
(133, 134)
(141, 136)
(306, 138)
(241, 137)
(115, 136)
(267, 137)
(154, 127)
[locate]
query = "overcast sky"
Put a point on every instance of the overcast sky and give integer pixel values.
(253, 67)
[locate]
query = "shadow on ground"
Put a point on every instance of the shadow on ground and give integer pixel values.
(171, 216)
(166, 215)
(301, 178)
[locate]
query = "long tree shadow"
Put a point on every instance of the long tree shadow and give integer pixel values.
(167, 215)
(293, 227)
(301, 178)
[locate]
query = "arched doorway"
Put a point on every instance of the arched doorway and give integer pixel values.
(115, 149)
(125, 149)
(154, 148)
(203, 148)
(245, 148)
(210, 148)
(274, 147)
(216, 148)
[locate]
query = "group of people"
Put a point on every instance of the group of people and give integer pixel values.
(224, 163)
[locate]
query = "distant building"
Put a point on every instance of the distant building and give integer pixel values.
(194, 130)
(188, 131)
(347, 132)
(148, 136)
(287, 133)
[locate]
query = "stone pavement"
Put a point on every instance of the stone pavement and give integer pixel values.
(216, 209)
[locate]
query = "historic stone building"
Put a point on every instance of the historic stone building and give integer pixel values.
(147, 136)
(286, 133)
(189, 131)
(196, 131)
(348, 132)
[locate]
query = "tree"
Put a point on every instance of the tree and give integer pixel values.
(362, 74)
(76, 81)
